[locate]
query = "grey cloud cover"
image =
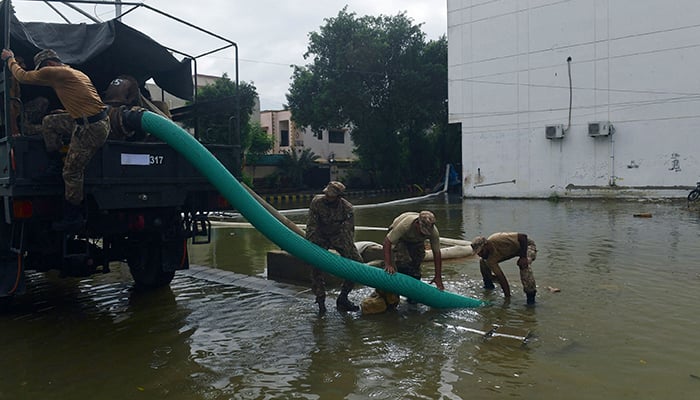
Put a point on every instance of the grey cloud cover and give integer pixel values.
(271, 35)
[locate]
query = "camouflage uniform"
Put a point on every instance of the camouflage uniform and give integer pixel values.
(86, 140)
(506, 246)
(57, 129)
(33, 114)
(408, 257)
(82, 102)
(408, 246)
(331, 225)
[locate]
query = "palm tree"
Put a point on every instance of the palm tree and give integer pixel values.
(296, 163)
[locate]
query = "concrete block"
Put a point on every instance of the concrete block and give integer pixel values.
(284, 267)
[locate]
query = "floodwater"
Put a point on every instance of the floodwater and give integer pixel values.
(624, 324)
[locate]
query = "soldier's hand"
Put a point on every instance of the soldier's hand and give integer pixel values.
(522, 262)
(6, 53)
(438, 282)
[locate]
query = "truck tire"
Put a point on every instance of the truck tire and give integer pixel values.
(146, 266)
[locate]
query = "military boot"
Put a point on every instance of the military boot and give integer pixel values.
(531, 298)
(72, 221)
(321, 301)
(344, 304)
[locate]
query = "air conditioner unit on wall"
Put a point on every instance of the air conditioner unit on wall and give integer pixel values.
(554, 131)
(600, 128)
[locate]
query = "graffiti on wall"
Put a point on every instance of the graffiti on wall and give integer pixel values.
(675, 162)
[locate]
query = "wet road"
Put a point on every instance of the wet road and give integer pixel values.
(623, 326)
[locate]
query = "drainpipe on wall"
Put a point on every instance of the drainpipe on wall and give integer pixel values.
(571, 92)
(613, 178)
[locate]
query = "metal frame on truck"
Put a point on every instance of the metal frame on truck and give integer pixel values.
(143, 200)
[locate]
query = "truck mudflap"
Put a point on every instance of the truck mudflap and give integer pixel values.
(12, 280)
(198, 227)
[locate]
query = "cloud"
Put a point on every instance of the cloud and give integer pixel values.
(271, 35)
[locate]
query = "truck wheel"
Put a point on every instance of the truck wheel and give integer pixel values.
(146, 267)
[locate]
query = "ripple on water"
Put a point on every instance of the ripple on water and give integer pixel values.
(623, 324)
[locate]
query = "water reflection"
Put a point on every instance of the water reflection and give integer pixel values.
(74, 338)
(229, 246)
(623, 324)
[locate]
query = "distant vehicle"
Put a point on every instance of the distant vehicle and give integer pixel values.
(695, 193)
(143, 200)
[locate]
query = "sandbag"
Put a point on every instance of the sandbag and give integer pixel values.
(379, 301)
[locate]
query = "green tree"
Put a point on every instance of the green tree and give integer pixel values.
(296, 163)
(381, 77)
(216, 105)
(258, 144)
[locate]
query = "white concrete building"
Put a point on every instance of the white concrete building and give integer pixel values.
(579, 98)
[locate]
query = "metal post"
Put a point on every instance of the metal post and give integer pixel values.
(118, 9)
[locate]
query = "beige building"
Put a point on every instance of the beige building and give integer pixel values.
(329, 145)
(334, 148)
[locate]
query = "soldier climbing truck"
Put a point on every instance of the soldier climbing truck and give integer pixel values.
(143, 201)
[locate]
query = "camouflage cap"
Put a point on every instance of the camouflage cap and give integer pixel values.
(478, 243)
(45, 55)
(426, 221)
(334, 188)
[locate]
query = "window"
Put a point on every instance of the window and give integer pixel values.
(336, 137)
(284, 138)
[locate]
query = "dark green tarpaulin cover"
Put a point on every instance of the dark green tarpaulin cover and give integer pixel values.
(103, 51)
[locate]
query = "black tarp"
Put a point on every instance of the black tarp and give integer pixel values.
(103, 51)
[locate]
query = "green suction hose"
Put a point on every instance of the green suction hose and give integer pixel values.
(285, 238)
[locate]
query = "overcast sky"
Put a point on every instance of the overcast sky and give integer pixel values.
(270, 34)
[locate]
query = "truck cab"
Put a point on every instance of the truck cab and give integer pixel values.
(143, 201)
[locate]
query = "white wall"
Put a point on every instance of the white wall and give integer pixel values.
(634, 63)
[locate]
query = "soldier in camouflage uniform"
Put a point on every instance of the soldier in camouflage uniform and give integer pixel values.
(331, 225)
(504, 246)
(121, 95)
(82, 102)
(404, 245)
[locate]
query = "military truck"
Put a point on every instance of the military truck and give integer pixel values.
(143, 201)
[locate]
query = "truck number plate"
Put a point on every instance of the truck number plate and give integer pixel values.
(141, 159)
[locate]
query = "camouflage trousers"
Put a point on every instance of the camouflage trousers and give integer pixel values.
(526, 276)
(345, 246)
(57, 129)
(84, 143)
(408, 256)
